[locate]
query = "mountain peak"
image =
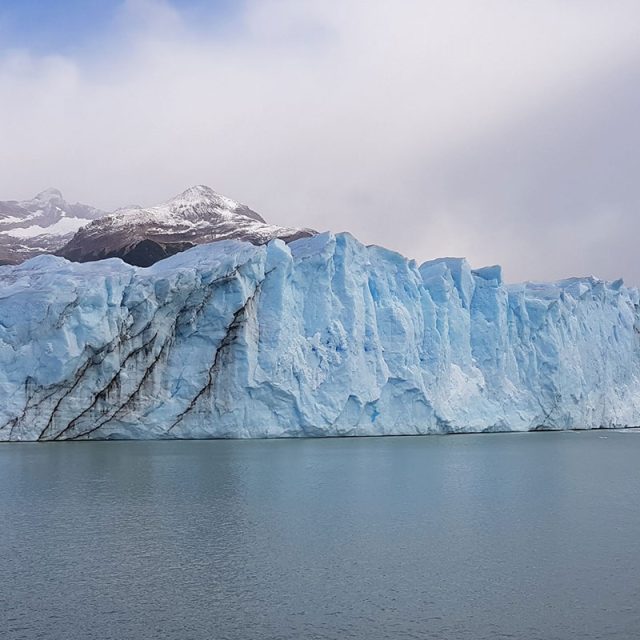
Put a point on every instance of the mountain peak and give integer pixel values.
(199, 190)
(49, 195)
(201, 200)
(198, 193)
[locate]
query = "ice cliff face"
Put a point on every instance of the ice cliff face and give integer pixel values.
(323, 336)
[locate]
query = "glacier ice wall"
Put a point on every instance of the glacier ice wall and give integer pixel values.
(324, 336)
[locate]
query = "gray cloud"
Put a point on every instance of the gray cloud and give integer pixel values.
(498, 130)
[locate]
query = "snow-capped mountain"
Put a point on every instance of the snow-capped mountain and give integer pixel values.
(199, 215)
(41, 225)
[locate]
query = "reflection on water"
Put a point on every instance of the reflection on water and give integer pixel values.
(478, 536)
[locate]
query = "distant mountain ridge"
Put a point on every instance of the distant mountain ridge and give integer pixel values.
(43, 224)
(138, 235)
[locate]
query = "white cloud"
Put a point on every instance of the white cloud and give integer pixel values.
(333, 114)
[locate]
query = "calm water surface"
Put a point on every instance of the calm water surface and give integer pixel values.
(483, 536)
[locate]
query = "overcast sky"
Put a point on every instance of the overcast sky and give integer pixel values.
(505, 131)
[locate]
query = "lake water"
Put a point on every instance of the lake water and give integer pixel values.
(490, 536)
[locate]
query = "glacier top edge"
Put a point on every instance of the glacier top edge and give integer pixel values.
(458, 270)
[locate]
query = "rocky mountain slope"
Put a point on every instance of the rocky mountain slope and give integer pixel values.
(199, 215)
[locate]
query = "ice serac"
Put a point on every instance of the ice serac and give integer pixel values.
(323, 336)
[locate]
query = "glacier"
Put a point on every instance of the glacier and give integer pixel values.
(321, 337)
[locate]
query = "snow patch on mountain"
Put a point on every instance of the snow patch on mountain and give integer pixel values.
(63, 227)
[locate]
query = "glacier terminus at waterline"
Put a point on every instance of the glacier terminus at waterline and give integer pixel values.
(324, 336)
